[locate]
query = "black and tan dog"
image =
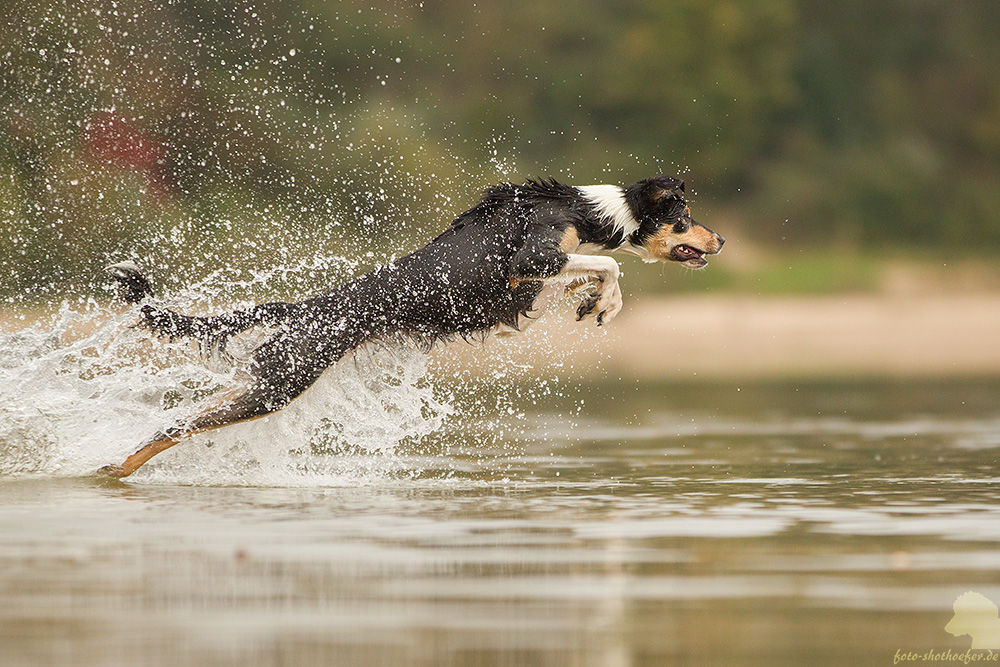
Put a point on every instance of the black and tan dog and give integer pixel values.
(493, 270)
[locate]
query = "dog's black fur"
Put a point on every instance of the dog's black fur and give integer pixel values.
(485, 271)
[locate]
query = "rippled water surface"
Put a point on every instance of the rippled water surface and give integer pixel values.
(767, 524)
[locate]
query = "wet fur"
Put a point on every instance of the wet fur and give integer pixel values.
(484, 273)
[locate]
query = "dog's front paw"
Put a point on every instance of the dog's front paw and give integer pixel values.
(587, 305)
(606, 302)
(609, 305)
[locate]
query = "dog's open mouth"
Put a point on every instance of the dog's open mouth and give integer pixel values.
(690, 257)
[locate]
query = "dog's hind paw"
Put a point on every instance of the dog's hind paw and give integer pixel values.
(112, 472)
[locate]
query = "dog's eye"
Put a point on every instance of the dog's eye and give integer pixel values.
(681, 226)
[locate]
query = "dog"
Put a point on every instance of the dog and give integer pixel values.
(977, 616)
(493, 270)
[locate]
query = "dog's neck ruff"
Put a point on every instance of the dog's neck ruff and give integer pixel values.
(611, 207)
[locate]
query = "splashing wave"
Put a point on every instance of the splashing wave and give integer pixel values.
(82, 389)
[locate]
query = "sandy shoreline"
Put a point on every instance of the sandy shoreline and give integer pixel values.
(697, 337)
(736, 336)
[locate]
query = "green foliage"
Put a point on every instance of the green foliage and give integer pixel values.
(807, 272)
(199, 128)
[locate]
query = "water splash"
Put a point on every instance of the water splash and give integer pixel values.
(82, 388)
(242, 153)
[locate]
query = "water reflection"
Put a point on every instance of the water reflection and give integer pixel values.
(779, 525)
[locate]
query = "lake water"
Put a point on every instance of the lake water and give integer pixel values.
(725, 523)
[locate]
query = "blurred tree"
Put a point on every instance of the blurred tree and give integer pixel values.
(889, 143)
(130, 128)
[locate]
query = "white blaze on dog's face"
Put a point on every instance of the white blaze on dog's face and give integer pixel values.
(667, 233)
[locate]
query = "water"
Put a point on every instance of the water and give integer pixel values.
(606, 524)
(84, 387)
(396, 514)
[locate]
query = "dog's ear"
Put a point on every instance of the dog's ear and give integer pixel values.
(652, 197)
(664, 188)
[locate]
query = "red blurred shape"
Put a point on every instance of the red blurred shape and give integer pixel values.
(118, 140)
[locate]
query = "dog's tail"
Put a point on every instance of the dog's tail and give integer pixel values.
(133, 286)
(212, 332)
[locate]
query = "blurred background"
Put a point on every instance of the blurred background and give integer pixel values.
(787, 458)
(842, 146)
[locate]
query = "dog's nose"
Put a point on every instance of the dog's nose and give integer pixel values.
(721, 239)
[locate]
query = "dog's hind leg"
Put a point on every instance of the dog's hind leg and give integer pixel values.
(283, 367)
(230, 407)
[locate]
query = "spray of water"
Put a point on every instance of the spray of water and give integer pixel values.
(82, 388)
(241, 154)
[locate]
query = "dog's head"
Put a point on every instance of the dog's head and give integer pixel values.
(976, 616)
(666, 231)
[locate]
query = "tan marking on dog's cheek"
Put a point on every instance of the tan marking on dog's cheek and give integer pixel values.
(661, 243)
(570, 240)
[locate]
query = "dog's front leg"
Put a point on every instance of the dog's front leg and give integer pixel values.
(606, 304)
(606, 300)
(546, 258)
